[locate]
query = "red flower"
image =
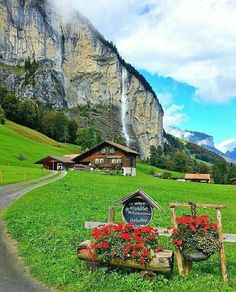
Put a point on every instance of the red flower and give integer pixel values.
(160, 248)
(142, 259)
(135, 253)
(126, 236)
(127, 249)
(105, 244)
(179, 242)
(137, 245)
(214, 226)
(137, 238)
(192, 228)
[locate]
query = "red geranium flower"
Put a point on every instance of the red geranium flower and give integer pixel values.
(179, 241)
(126, 236)
(142, 259)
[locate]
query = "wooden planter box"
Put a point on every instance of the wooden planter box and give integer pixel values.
(162, 261)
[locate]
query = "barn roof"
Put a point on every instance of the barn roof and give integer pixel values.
(197, 176)
(119, 146)
(58, 158)
(233, 179)
(71, 155)
(142, 194)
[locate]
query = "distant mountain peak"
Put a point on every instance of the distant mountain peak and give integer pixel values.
(195, 137)
(203, 140)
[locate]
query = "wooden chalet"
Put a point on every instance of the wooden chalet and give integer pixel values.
(56, 162)
(198, 177)
(233, 181)
(109, 154)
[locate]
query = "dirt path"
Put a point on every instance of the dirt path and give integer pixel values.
(13, 276)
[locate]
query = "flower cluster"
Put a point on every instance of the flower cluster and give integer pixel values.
(196, 233)
(124, 241)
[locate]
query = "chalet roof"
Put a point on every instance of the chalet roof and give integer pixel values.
(142, 194)
(58, 158)
(197, 176)
(122, 147)
(119, 146)
(233, 179)
(71, 155)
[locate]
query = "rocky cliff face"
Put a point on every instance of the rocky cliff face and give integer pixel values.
(77, 67)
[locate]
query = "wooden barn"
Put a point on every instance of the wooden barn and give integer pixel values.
(109, 155)
(56, 162)
(198, 177)
(233, 181)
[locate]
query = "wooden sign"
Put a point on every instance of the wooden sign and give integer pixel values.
(137, 211)
(138, 208)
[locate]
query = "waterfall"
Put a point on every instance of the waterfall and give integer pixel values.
(124, 108)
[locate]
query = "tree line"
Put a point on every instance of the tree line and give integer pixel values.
(191, 158)
(35, 115)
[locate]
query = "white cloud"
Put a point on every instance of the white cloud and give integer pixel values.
(227, 145)
(165, 98)
(190, 41)
(174, 116)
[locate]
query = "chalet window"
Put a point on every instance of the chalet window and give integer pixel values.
(114, 160)
(112, 150)
(101, 160)
(97, 160)
(103, 151)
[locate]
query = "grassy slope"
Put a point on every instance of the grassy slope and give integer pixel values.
(13, 174)
(15, 139)
(51, 226)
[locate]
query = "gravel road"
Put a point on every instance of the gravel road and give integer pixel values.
(13, 276)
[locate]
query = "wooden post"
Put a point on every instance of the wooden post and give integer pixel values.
(177, 251)
(187, 267)
(111, 214)
(222, 252)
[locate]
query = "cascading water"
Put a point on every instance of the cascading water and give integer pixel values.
(124, 108)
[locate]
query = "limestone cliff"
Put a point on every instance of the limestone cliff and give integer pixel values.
(77, 66)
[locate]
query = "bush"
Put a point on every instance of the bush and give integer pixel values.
(166, 175)
(2, 116)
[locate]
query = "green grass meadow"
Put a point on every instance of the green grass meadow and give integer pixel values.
(13, 174)
(16, 139)
(48, 223)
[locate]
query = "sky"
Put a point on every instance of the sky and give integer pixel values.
(186, 49)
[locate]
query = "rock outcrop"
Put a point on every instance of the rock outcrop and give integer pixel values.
(77, 66)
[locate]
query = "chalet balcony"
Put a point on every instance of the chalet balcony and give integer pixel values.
(106, 165)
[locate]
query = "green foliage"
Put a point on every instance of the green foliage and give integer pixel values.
(166, 175)
(204, 168)
(33, 114)
(219, 172)
(2, 116)
(52, 226)
(30, 69)
(184, 157)
(180, 161)
(8, 102)
(203, 154)
(88, 138)
(231, 173)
